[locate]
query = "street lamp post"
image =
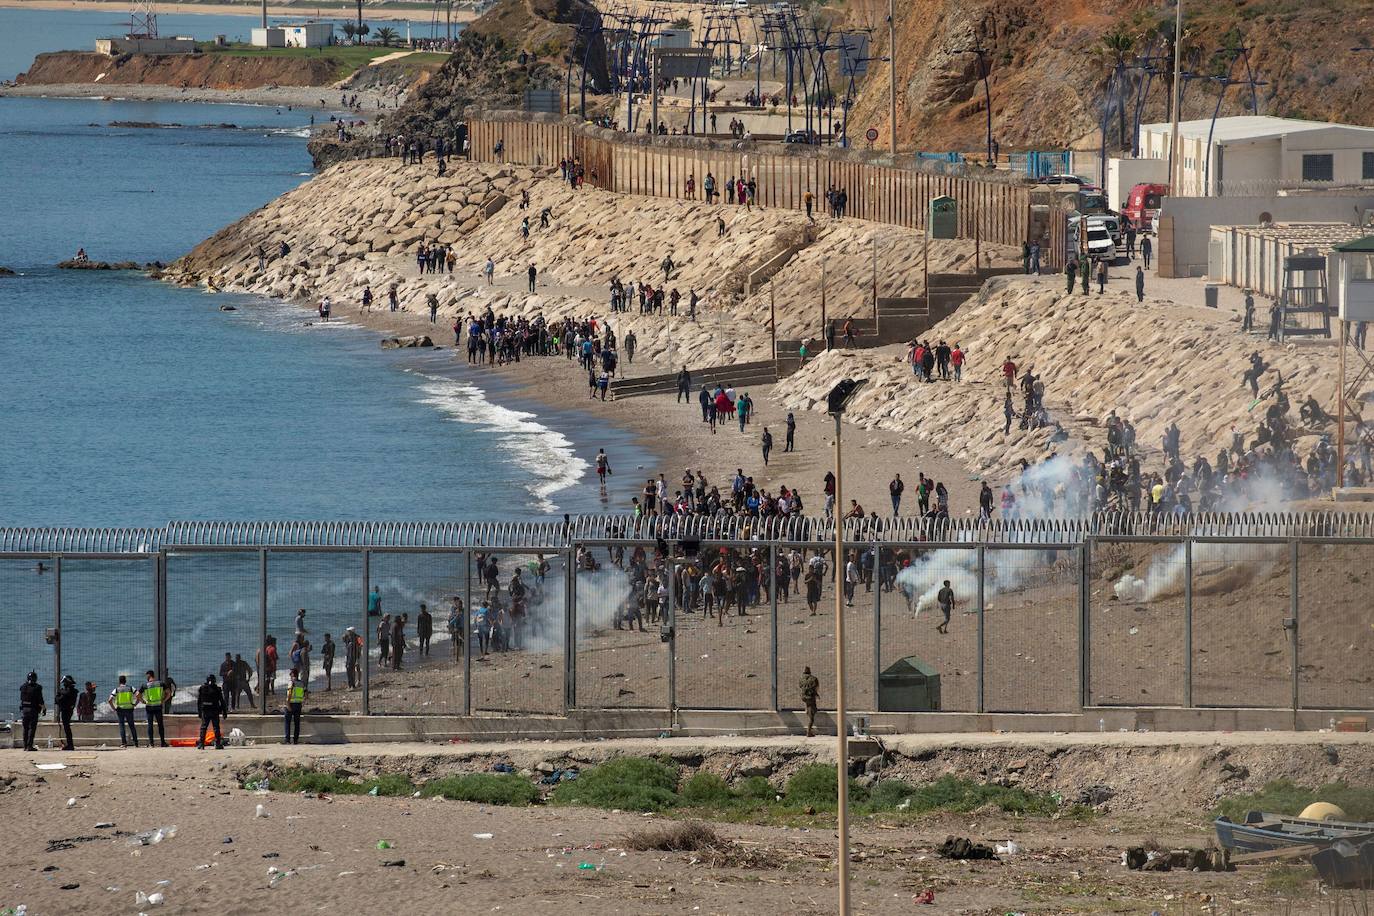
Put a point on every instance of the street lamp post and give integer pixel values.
(838, 398)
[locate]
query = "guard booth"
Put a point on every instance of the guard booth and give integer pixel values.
(942, 222)
(909, 685)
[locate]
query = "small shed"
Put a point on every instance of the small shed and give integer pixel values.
(909, 685)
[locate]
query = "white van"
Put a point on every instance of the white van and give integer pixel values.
(1100, 245)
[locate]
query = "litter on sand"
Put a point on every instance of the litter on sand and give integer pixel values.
(483, 836)
(51, 766)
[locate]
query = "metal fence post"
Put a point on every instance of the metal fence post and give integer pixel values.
(367, 634)
(877, 619)
(468, 646)
(773, 631)
(1188, 624)
(160, 612)
(1293, 621)
(570, 628)
(1085, 627)
(262, 632)
(57, 622)
(982, 576)
(672, 645)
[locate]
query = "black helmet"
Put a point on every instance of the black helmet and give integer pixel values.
(33, 677)
(69, 681)
(209, 678)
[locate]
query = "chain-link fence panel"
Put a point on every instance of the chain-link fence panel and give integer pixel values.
(328, 587)
(929, 658)
(1030, 626)
(1137, 623)
(109, 623)
(521, 601)
(214, 612)
(1335, 639)
(724, 658)
(1241, 651)
(30, 589)
(621, 661)
(806, 628)
(421, 672)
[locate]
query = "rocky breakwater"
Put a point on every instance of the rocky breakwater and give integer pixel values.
(360, 222)
(1154, 363)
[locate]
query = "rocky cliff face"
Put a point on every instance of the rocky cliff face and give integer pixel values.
(1047, 65)
(201, 71)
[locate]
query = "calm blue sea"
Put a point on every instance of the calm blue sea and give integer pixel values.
(126, 401)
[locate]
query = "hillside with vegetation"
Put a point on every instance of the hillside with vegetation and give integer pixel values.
(1051, 63)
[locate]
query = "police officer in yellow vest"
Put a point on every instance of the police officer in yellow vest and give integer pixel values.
(295, 698)
(152, 694)
(122, 700)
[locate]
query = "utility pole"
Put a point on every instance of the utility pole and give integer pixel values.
(892, 83)
(1175, 187)
(841, 730)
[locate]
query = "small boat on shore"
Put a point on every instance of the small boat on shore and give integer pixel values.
(1261, 832)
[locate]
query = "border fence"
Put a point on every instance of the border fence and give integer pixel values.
(1254, 610)
(992, 208)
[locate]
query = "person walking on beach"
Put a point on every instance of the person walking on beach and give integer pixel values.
(32, 707)
(295, 700)
(789, 443)
(122, 700)
(85, 703)
(384, 640)
(810, 694)
(66, 698)
(432, 300)
(398, 641)
(767, 445)
(1101, 277)
(684, 386)
(424, 630)
(1139, 283)
(895, 489)
(1146, 249)
(151, 694)
(603, 468)
(353, 653)
(489, 270)
(210, 706)
(533, 275)
(327, 661)
(945, 598)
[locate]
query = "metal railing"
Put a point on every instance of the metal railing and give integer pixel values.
(1265, 610)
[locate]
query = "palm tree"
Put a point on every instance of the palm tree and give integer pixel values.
(360, 16)
(386, 35)
(349, 30)
(1116, 52)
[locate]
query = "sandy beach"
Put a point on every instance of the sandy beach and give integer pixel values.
(76, 849)
(310, 98)
(232, 9)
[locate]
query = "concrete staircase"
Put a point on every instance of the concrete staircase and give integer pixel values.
(899, 320)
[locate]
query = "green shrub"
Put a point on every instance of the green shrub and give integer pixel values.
(298, 779)
(486, 788)
(628, 783)
(949, 793)
(889, 793)
(756, 788)
(814, 786)
(390, 785)
(706, 790)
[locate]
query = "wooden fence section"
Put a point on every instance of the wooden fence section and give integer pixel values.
(994, 211)
(537, 143)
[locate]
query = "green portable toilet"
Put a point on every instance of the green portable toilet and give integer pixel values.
(909, 685)
(943, 218)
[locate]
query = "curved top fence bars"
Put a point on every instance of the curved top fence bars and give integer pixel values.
(556, 533)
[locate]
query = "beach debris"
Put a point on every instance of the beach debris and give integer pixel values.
(69, 887)
(154, 899)
(925, 897)
(71, 803)
(393, 863)
(51, 766)
(483, 836)
(397, 343)
(374, 791)
(104, 825)
(153, 837)
(1009, 848)
(1142, 859)
(964, 848)
(260, 811)
(383, 844)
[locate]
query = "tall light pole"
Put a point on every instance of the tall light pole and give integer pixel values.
(839, 396)
(892, 82)
(1175, 187)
